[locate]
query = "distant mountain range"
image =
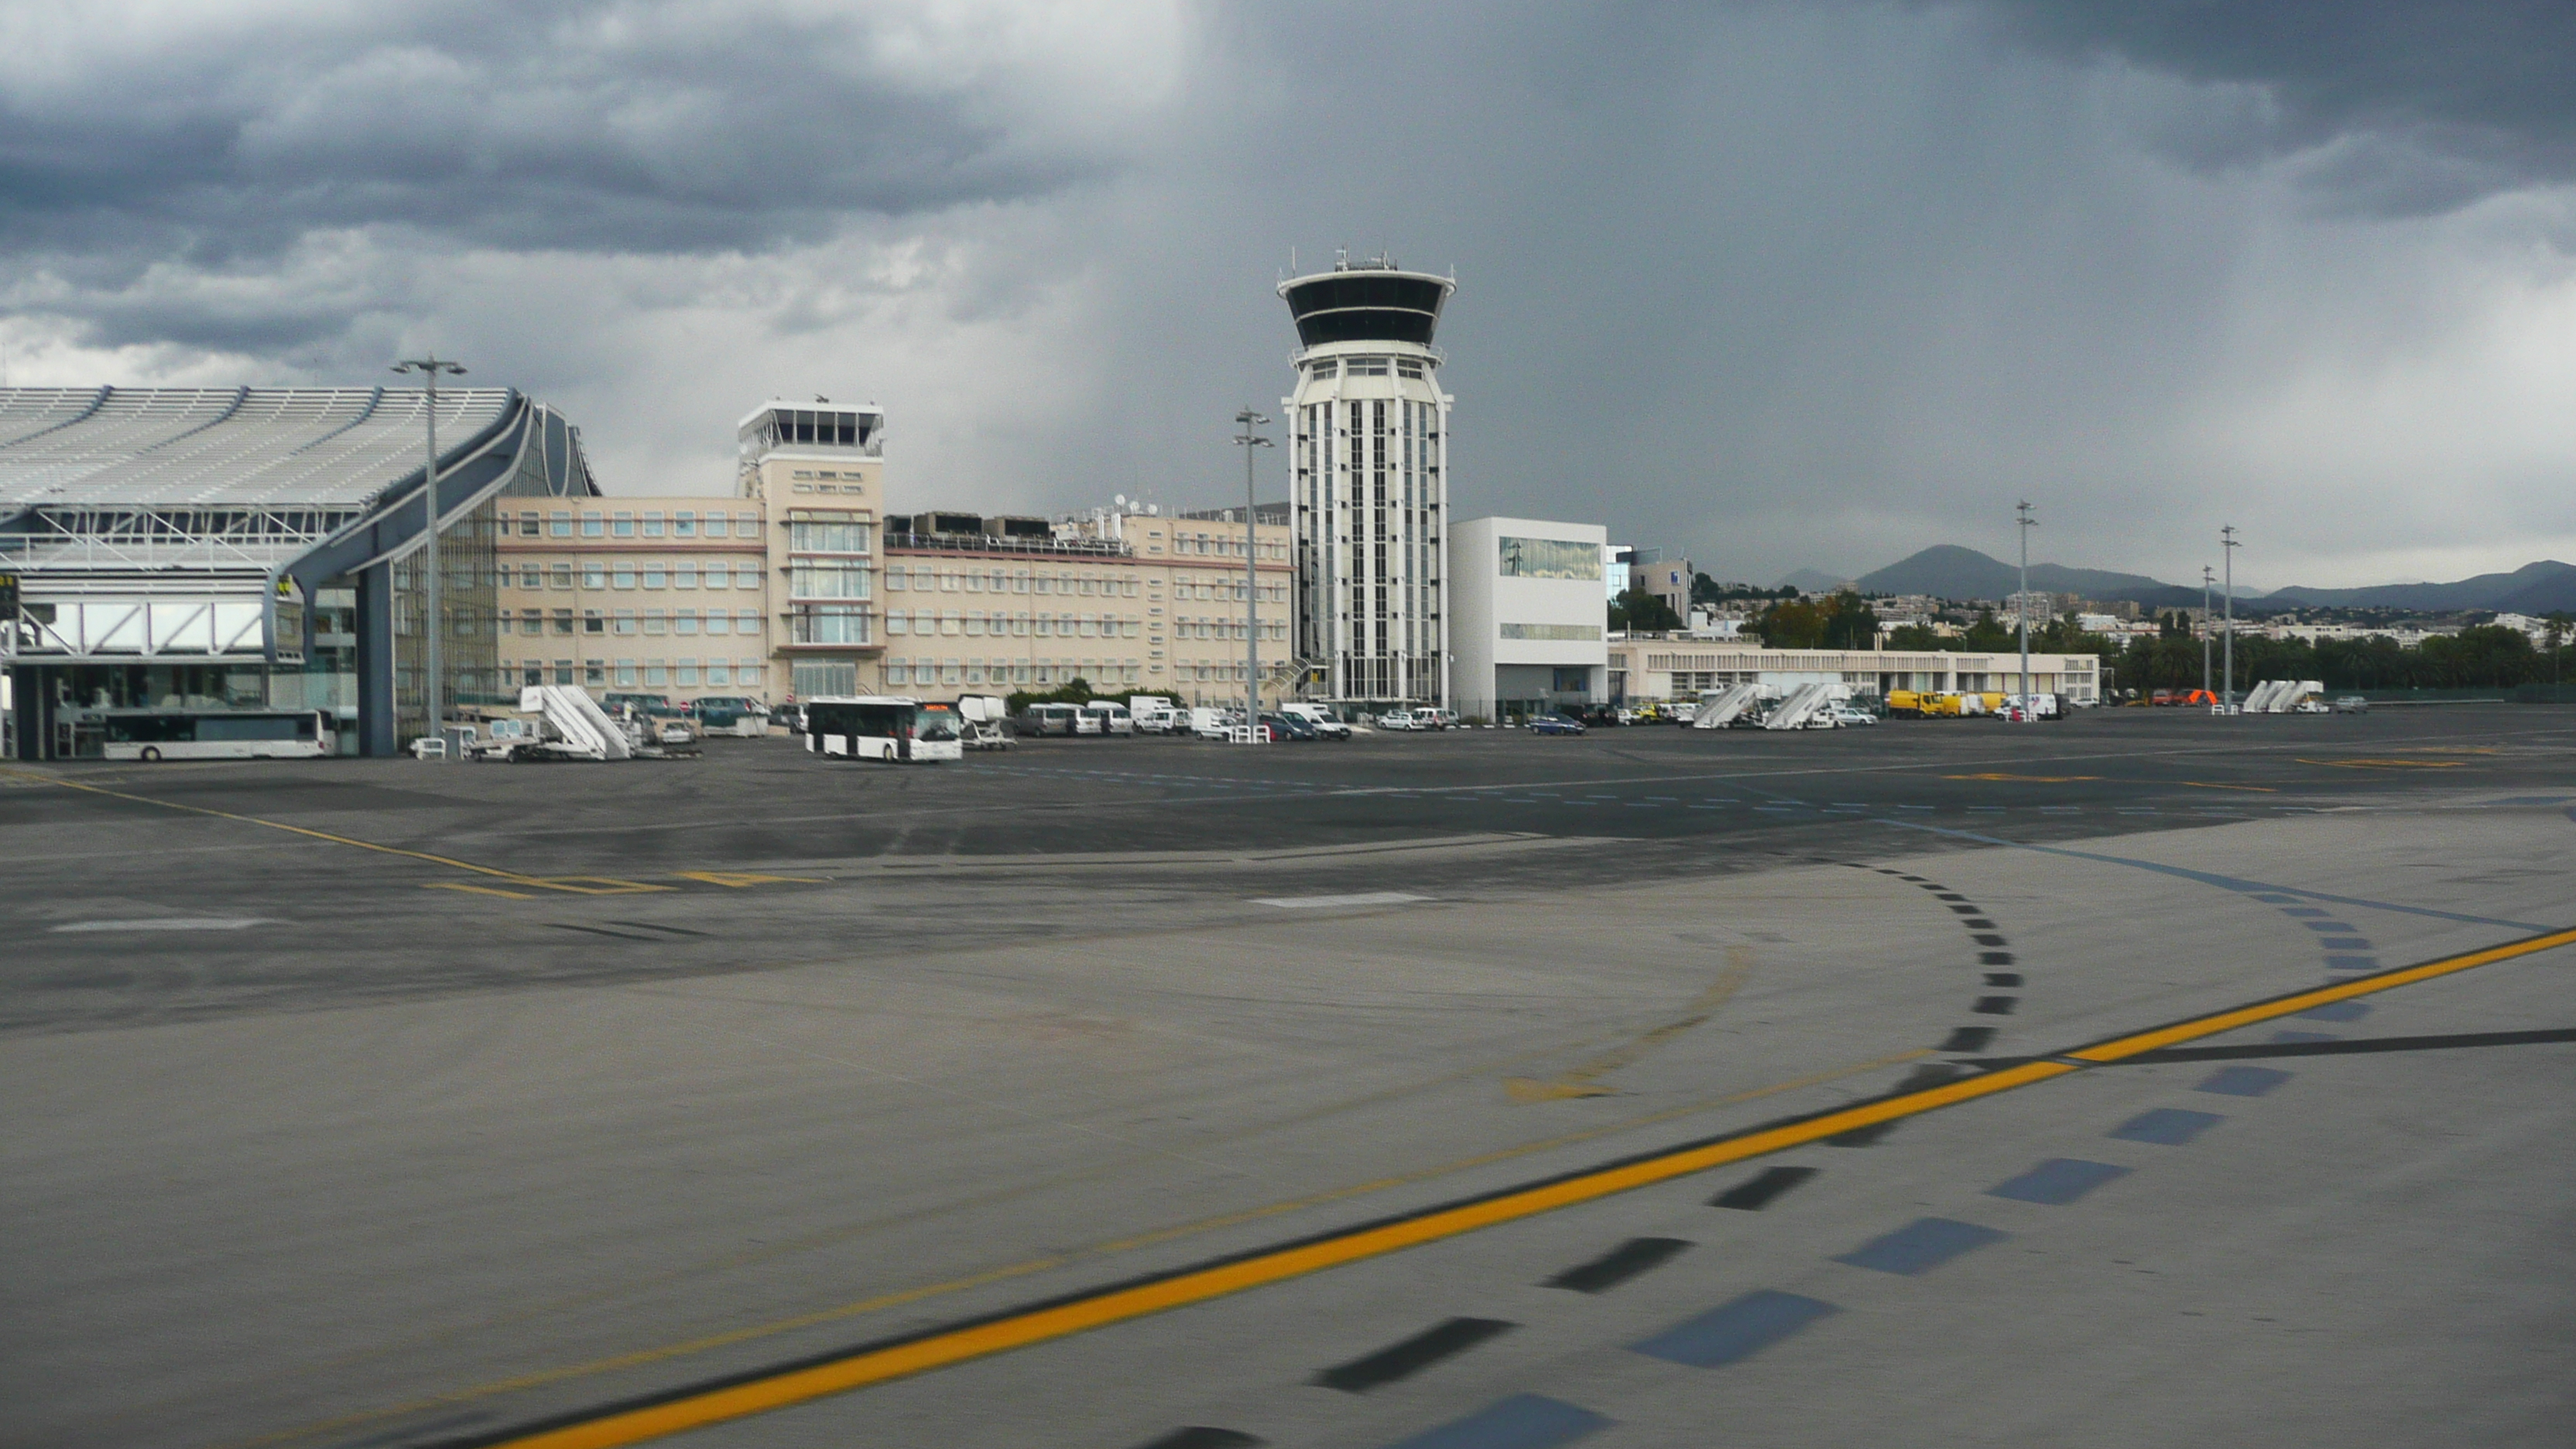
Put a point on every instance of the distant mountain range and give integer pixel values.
(1950, 572)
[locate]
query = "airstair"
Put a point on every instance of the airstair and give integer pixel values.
(581, 728)
(1801, 708)
(1720, 708)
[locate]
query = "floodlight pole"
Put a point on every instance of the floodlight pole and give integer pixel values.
(1248, 440)
(2208, 580)
(2227, 694)
(2029, 715)
(434, 627)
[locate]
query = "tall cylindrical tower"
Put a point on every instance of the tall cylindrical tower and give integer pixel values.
(1369, 433)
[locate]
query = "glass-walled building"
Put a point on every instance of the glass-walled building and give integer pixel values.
(236, 548)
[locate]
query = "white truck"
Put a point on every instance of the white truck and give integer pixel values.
(1152, 713)
(979, 724)
(1326, 727)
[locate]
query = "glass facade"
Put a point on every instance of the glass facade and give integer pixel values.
(1549, 558)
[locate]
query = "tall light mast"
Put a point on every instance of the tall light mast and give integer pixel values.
(434, 624)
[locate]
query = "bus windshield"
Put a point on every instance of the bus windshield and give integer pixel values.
(934, 722)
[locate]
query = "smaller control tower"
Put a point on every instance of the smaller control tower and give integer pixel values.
(1369, 438)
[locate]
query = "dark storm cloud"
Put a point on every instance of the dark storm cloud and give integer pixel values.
(2423, 106)
(526, 127)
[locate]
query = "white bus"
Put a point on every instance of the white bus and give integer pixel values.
(214, 734)
(881, 727)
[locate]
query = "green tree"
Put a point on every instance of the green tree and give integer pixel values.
(1916, 637)
(1638, 611)
(1986, 636)
(1791, 624)
(1850, 623)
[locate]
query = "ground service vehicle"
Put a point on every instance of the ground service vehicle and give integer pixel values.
(732, 715)
(214, 734)
(2352, 704)
(1325, 726)
(1556, 724)
(1152, 713)
(979, 725)
(881, 727)
(1209, 724)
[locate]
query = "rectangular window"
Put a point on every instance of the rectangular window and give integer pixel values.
(625, 621)
(623, 575)
(653, 621)
(719, 673)
(751, 674)
(1551, 631)
(623, 526)
(563, 621)
(593, 525)
(745, 576)
(531, 576)
(684, 673)
(898, 622)
(824, 580)
(1549, 558)
(559, 576)
(594, 575)
(684, 574)
(685, 622)
(559, 524)
(563, 671)
(716, 525)
(808, 536)
(656, 674)
(652, 525)
(626, 674)
(594, 672)
(684, 524)
(531, 526)
(895, 579)
(654, 576)
(746, 622)
(828, 624)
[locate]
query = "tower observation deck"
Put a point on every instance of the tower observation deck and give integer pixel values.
(1369, 437)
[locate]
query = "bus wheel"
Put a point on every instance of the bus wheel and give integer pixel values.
(150, 753)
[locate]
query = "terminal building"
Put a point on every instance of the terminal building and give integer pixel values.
(1679, 669)
(1368, 446)
(247, 548)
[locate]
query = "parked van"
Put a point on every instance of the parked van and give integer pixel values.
(1109, 717)
(1055, 719)
(1210, 724)
(1325, 726)
(1153, 713)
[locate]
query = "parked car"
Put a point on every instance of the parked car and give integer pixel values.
(1843, 717)
(732, 715)
(1403, 719)
(2351, 704)
(1439, 719)
(1556, 724)
(1288, 727)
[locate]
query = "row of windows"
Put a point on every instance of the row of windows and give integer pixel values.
(923, 578)
(1222, 629)
(628, 621)
(920, 672)
(683, 573)
(976, 624)
(828, 624)
(682, 523)
(629, 674)
(1365, 366)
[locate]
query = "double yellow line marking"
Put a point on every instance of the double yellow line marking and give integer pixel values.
(779, 1386)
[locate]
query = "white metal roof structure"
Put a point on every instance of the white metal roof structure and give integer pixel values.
(255, 446)
(167, 500)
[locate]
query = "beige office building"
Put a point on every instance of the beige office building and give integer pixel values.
(1130, 602)
(655, 595)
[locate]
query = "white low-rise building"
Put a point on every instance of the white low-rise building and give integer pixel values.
(1681, 669)
(1527, 620)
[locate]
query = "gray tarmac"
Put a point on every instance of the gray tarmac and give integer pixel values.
(465, 1098)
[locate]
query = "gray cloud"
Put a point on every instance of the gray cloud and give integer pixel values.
(2452, 102)
(596, 126)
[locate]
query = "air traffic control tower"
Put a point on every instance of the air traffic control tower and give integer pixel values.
(1369, 430)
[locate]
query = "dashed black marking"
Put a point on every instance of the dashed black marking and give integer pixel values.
(1993, 978)
(1413, 1355)
(1199, 1436)
(1968, 1039)
(1763, 1188)
(1626, 1261)
(1994, 1005)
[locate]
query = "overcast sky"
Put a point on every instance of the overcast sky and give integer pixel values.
(1779, 285)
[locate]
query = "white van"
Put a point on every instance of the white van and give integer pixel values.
(1209, 724)
(1111, 717)
(1326, 727)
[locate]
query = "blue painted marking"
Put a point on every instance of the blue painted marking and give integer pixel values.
(2166, 1126)
(2058, 1181)
(1523, 1421)
(2281, 1037)
(1735, 1331)
(2345, 943)
(2338, 1011)
(2352, 963)
(2242, 1081)
(1920, 1246)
